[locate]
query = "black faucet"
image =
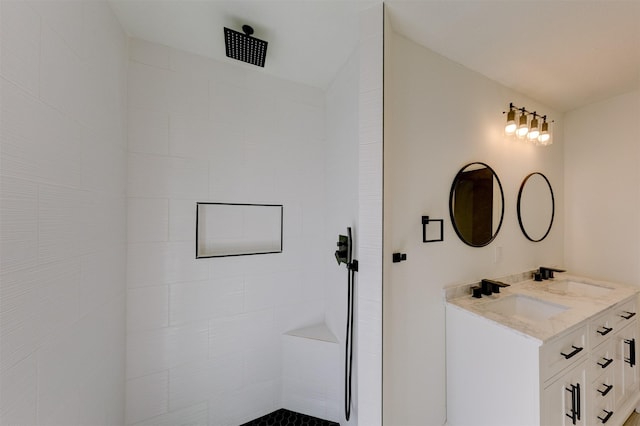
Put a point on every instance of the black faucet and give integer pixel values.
(545, 273)
(487, 287)
(492, 286)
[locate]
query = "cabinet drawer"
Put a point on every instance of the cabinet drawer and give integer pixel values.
(602, 411)
(601, 328)
(602, 359)
(563, 351)
(603, 386)
(625, 313)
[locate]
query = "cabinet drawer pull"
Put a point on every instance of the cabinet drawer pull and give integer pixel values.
(632, 352)
(575, 351)
(606, 391)
(606, 331)
(606, 362)
(607, 417)
(628, 315)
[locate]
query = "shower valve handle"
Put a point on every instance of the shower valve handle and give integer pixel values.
(342, 254)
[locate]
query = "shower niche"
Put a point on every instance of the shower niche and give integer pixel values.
(234, 229)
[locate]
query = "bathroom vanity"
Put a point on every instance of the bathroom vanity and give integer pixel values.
(557, 352)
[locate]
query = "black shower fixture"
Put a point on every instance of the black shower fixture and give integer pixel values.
(244, 47)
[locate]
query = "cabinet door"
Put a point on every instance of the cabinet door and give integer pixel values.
(626, 341)
(564, 399)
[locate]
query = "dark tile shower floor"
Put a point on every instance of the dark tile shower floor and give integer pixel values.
(284, 417)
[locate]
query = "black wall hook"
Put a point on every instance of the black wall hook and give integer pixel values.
(399, 257)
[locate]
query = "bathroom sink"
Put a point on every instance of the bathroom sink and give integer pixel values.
(525, 308)
(577, 288)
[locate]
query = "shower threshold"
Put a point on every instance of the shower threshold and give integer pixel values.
(289, 418)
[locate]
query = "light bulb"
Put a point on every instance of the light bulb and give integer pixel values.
(544, 138)
(511, 126)
(534, 131)
(522, 129)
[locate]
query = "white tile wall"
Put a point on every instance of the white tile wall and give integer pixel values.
(194, 382)
(19, 226)
(229, 408)
(148, 219)
(182, 220)
(157, 350)
(159, 263)
(62, 234)
(201, 130)
(100, 270)
(148, 53)
(340, 210)
(18, 387)
(148, 131)
(155, 176)
(40, 144)
(369, 368)
(20, 46)
(67, 20)
(147, 397)
(203, 300)
(195, 415)
(311, 382)
(60, 211)
(147, 308)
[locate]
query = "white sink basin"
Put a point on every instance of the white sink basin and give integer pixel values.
(525, 308)
(576, 288)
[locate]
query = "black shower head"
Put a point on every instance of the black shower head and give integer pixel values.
(245, 48)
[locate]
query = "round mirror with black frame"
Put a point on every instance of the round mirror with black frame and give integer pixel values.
(474, 205)
(536, 207)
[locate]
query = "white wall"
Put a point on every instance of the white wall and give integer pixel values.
(602, 171)
(440, 116)
(63, 231)
(204, 335)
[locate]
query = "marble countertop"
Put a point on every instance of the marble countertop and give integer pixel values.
(579, 307)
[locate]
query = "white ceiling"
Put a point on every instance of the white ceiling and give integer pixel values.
(309, 40)
(564, 54)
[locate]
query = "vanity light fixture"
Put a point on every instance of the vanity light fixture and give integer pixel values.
(532, 131)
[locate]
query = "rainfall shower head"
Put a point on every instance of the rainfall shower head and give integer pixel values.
(245, 48)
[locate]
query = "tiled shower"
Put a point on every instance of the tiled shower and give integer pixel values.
(205, 131)
(107, 143)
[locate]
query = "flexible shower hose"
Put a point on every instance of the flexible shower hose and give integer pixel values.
(348, 356)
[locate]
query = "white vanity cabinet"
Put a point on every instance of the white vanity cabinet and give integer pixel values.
(585, 375)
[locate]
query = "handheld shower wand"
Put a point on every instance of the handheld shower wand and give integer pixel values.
(344, 254)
